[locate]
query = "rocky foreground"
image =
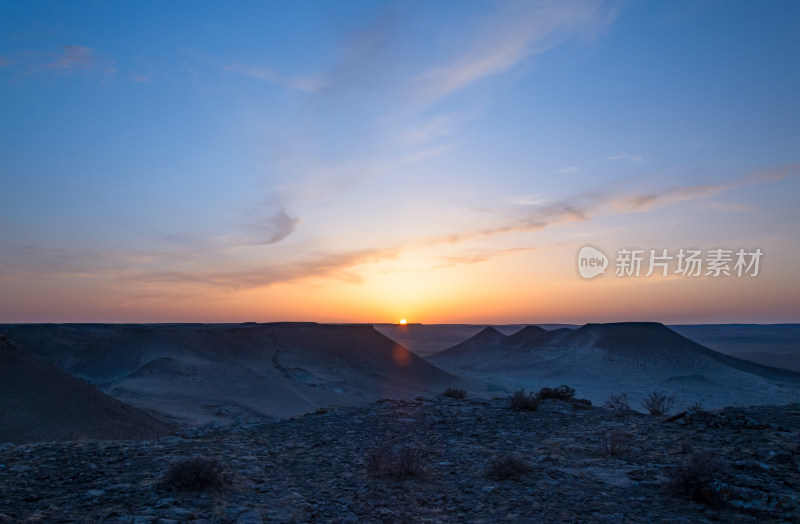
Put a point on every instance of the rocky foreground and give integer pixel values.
(464, 460)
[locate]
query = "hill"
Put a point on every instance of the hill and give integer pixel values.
(39, 402)
(630, 357)
(198, 373)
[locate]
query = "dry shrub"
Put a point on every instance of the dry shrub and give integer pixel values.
(694, 476)
(618, 402)
(559, 393)
(458, 394)
(520, 401)
(509, 466)
(697, 407)
(198, 473)
(658, 403)
(617, 442)
(406, 462)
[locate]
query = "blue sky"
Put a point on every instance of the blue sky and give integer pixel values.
(362, 161)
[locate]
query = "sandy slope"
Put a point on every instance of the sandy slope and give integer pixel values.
(198, 373)
(40, 402)
(634, 358)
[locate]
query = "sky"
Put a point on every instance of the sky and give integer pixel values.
(365, 161)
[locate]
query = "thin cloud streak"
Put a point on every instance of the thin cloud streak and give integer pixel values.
(141, 267)
(308, 84)
(274, 228)
(625, 156)
(74, 57)
(523, 29)
(577, 209)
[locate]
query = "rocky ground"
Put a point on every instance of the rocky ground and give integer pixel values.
(584, 464)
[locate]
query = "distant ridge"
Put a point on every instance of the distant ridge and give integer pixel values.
(631, 357)
(205, 372)
(527, 334)
(654, 337)
(39, 402)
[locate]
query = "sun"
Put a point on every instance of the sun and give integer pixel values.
(402, 322)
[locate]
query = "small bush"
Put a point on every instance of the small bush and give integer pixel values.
(559, 393)
(618, 402)
(616, 442)
(694, 476)
(510, 466)
(658, 404)
(520, 401)
(582, 401)
(199, 473)
(697, 407)
(383, 462)
(458, 394)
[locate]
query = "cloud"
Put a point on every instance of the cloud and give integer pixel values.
(307, 84)
(625, 156)
(520, 30)
(573, 169)
(254, 230)
(480, 257)
(74, 57)
(136, 78)
(69, 59)
(369, 58)
(195, 264)
(5, 61)
(647, 201)
(775, 174)
(273, 229)
(333, 265)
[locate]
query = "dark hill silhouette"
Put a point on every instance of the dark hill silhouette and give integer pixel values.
(527, 335)
(39, 402)
(486, 342)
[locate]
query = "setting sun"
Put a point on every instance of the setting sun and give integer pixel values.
(402, 322)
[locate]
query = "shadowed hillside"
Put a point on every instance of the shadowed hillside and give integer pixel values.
(199, 373)
(40, 402)
(775, 345)
(631, 357)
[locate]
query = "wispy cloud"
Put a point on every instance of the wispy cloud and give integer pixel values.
(74, 57)
(140, 78)
(775, 174)
(647, 201)
(334, 265)
(307, 84)
(68, 59)
(520, 30)
(572, 169)
(190, 266)
(625, 156)
(257, 229)
(274, 228)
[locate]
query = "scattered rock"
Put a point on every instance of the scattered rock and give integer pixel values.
(313, 468)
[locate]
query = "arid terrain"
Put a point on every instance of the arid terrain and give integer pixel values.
(578, 464)
(304, 422)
